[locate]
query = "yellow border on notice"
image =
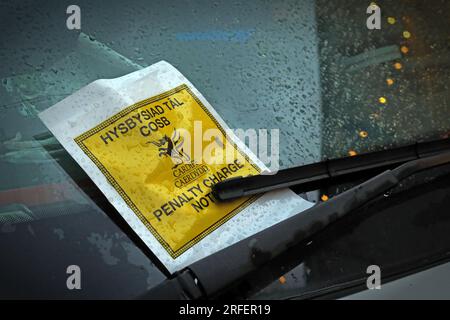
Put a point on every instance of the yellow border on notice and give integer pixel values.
(173, 253)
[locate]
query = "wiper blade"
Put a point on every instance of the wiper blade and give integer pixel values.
(214, 274)
(313, 176)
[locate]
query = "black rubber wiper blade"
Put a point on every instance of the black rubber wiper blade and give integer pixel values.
(214, 274)
(313, 176)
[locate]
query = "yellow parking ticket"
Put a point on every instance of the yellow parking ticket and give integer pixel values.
(154, 146)
(142, 154)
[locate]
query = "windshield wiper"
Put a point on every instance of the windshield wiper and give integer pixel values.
(313, 176)
(214, 274)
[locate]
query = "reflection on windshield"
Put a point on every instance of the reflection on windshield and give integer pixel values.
(33, 164)
(387, 87)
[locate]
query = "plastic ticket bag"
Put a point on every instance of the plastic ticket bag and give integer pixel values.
(131, 136)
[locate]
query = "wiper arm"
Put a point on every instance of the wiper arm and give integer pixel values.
(214, 274)
(313, 176)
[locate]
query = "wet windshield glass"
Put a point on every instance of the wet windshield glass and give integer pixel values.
(312, 69)
(387, 87)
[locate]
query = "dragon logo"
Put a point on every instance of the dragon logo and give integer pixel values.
(172, 147)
